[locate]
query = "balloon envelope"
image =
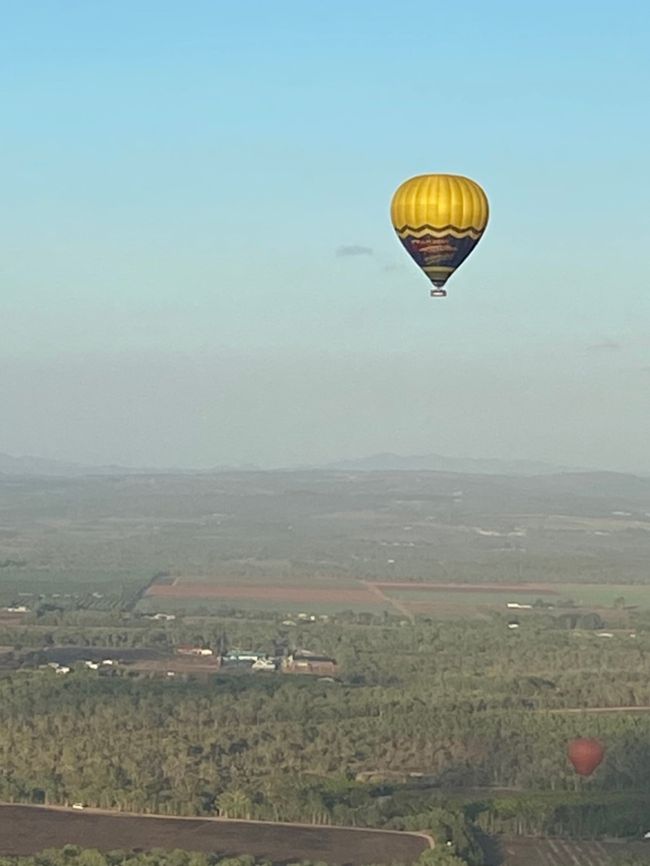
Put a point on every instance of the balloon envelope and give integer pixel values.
(585, 754)
(439, 218)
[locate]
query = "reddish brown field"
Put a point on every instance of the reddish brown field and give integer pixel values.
(264, 593)
(468, 587)
(26, 830)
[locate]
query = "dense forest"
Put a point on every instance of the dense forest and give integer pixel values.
(416, 734)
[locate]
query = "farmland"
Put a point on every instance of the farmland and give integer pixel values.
(560, 852)
(335, 539)
(336, 595)
(405, 598)
(26, 830)
(473, 599)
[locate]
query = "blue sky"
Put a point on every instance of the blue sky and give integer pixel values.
(177, 179)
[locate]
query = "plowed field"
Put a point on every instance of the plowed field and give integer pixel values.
(558, 852)
(291, 594)
(26, 830)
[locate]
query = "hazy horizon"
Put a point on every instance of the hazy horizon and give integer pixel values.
(198, 266)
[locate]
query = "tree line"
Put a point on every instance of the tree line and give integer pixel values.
(74, 855)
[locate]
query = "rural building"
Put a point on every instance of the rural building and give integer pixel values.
(193, 651)
(304, 662)
(264, 665)
(247, 656)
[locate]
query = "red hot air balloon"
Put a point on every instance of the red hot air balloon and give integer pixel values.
(585, 754)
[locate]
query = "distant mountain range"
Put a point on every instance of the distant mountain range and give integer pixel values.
(38, 466)
(438, 463)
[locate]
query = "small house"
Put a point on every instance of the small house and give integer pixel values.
(305, 662)
(264, 665)
(193, 651)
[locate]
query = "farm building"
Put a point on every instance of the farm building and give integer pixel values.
(193, 651)
(243, 656)
(304, 662)
(264, 665)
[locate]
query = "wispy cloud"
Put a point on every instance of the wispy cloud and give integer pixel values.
(354, 250)
(390, 268)
(605, 346)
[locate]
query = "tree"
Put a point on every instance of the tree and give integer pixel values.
(234, 804)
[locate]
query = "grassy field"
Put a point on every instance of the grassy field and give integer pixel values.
(23, 583)
(472, 599)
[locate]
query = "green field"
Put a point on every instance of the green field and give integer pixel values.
(291, 608)
(26, 585)
(563, 598)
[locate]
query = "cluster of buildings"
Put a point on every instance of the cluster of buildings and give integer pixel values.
(91, 665)
(295, 662)
(304, 618)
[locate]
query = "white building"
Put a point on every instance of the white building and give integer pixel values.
(263, 665)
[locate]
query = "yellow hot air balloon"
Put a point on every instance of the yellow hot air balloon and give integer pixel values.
(439, 218)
